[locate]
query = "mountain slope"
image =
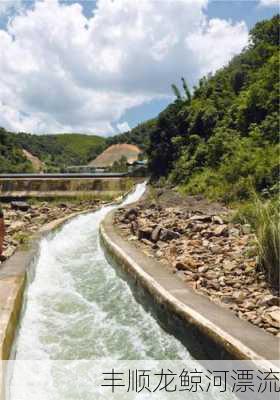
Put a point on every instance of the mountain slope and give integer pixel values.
(139, 136)
(61, 150)
(223, 141)
(85, 146)
(115, 153)
(37, 164)
(11, 156)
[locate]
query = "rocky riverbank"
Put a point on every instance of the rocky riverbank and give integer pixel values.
(212, 255)
(22, 220)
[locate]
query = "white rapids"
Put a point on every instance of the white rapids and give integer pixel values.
(78, 308)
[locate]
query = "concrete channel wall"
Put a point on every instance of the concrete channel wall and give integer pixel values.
(208, 330)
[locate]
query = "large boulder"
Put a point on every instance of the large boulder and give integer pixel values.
(271, 316)
(131, 214)
(168, 234)
(217, 220)
(156, 233)
(20, 205)
(221, 230)
(186, 264)
(144, 232)
(269, 300)
(134, 228)
(201, 218)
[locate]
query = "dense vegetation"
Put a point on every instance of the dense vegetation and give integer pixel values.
(56, 151)
(223, 140)
(11, 157)
(140, 135)
(85, 147)
(62, 150)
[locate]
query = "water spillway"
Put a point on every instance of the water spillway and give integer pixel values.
(78, 308)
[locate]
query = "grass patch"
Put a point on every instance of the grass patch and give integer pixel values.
(268, 240)
(263, 216)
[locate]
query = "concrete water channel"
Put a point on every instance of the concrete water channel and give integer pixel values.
(80, 315)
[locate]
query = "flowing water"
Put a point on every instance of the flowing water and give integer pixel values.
(78, 308)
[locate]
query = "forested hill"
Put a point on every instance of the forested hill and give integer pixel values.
(11, 156)
(223, 140)
(140, 135)
(56, 151)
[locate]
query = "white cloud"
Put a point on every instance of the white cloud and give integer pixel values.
(123, 127)
(213, 43)
(270, 3)
(61, 71)
(7, 5)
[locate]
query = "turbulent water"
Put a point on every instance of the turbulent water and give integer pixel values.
(78, 308)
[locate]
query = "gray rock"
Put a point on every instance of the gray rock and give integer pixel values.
(228, 265)
(131, 213)
(180, 266)
(156, 233)
(134, 227)
(221, 230)
(213, 284)
(234, 232)
(159, 253)
(273, 318)
(198, 227)
(167, 234)
(239, 296)
(217, 220)
(20, 205)
(147, 242)
(227, 299)
(144, 233)
(269, 300)
(203, 218)
(249, 304)
(215, 249)
(203, 269)
(8, 252)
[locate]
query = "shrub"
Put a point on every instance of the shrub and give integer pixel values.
(268, 239)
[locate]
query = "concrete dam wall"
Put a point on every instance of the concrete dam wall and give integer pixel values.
(65, 187)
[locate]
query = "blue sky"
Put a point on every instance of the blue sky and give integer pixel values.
(106, 66)
(247, 10)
